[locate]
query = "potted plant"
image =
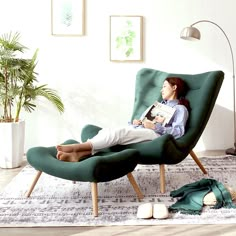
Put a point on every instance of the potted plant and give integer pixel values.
(18, 89)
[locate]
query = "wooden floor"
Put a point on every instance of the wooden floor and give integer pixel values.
(160, 230)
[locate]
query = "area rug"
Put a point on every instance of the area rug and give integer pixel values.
(58, 202)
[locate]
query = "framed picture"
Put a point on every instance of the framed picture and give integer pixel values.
(67, 17)
(126, 38)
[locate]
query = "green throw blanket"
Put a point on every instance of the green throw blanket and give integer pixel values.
(190, 196)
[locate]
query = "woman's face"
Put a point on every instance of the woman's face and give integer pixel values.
(168, 91)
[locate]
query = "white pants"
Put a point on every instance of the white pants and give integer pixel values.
(108, 137)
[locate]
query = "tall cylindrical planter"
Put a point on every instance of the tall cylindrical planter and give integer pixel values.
(12, 138)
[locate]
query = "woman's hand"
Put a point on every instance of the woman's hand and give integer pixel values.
(148, 124)
(137, 122)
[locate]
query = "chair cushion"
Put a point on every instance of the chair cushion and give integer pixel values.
(104, 166)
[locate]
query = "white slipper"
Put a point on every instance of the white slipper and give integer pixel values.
(144, 211)
(160, 211)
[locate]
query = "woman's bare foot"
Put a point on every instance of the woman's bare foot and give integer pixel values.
(72, 156)
(77, 147)
(67, 148)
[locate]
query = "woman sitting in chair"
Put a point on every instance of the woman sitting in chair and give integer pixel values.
(173, 92)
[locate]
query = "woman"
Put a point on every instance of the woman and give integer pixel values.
(173, 92)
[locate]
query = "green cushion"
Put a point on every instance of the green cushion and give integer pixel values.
(202, 94)
(103, 167)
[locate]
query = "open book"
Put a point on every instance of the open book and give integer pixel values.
(159, 109)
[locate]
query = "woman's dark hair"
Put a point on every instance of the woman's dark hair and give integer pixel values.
(181, 90)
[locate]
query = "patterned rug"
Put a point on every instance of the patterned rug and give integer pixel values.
(58, 202)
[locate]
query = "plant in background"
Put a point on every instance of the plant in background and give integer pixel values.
(18, 84)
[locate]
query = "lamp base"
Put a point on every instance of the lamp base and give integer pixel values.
(231, 151)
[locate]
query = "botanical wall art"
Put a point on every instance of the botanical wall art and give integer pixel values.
(67, 17)
(126, 38)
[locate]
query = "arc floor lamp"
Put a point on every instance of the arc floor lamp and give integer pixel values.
(192, 33)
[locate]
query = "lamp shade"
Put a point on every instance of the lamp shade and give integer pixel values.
(190, 33)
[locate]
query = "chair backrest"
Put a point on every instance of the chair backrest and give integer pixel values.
(202, 94)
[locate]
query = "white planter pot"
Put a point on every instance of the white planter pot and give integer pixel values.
(12, 138)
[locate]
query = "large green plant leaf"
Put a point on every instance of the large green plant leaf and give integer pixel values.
(18, 80)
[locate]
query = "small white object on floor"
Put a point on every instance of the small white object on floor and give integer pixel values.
(210, 198)
(160, 211)
(157, 211)
(144, 211)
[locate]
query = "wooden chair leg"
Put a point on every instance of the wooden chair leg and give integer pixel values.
(195, 158)
(135, 186)
(162, 178)
(94, 190)
(34, 183)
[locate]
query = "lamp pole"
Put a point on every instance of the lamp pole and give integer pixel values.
(191, 32)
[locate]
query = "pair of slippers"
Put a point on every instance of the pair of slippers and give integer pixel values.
(156, 211)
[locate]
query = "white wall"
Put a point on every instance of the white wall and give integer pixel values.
(97, 91)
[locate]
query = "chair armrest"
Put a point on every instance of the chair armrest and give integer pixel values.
(89, 131)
